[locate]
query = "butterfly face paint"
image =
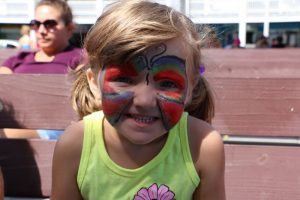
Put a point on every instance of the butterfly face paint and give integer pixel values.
(114, 100)
(168, 75)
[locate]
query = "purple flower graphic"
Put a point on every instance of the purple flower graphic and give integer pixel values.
(154, 192)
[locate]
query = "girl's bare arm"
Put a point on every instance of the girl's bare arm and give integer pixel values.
(65, 164)
(212, 167)
(208, 155)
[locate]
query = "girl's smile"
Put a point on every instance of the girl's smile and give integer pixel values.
(142, 121)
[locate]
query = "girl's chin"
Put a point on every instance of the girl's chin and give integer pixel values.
(141, 133)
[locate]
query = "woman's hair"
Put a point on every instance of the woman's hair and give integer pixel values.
(128, 28)
(65, 10)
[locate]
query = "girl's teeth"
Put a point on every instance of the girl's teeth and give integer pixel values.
(144, 119)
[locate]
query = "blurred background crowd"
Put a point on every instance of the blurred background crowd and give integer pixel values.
(236, 24)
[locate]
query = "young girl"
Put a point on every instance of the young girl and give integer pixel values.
(143, 63)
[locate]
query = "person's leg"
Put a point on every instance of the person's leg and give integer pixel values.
(19, 133)
(29, 133)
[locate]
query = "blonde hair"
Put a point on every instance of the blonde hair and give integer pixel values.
(25, 30)
(126, 29)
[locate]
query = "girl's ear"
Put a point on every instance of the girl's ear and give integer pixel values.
(93, 83)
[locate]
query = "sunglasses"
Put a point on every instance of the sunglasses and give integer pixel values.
(48, 24)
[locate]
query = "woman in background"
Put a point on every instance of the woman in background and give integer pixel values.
(53, 26)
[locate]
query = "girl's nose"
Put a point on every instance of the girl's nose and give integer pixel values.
(145, 96)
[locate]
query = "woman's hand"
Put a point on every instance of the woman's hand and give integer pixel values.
(5, 70)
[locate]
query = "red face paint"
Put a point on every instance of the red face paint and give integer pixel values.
(171, 111)
(115, 100)
(169, 73)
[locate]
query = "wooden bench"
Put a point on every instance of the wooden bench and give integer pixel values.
(257, 112)
(35, 102)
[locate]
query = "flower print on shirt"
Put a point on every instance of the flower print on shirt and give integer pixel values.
(154, 192)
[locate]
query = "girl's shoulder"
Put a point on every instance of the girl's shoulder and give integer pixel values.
(69, 145)
(73, 134)
(75, 129)
(205, 142)
(199, 129)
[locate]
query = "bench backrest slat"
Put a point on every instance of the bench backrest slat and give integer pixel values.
(257, 107)
(257, 91)
(35, 101)
(252, 63)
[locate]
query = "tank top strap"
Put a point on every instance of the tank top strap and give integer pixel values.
(185, 146)
(92, 127)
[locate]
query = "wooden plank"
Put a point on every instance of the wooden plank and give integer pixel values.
(257, 107)
(35, 101)
(6, 53)
(26, 166)
(262, 172)
(257, 91)
(252, 63)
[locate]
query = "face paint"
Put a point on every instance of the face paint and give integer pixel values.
(170, 111)
(114, 102)
(169, 73)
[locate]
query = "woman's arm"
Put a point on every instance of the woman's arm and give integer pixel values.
(5, 70)
(65, 164)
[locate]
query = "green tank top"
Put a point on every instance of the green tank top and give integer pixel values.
(169, 175)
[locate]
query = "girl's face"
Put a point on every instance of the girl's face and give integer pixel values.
(55, 37)
(144, 98)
